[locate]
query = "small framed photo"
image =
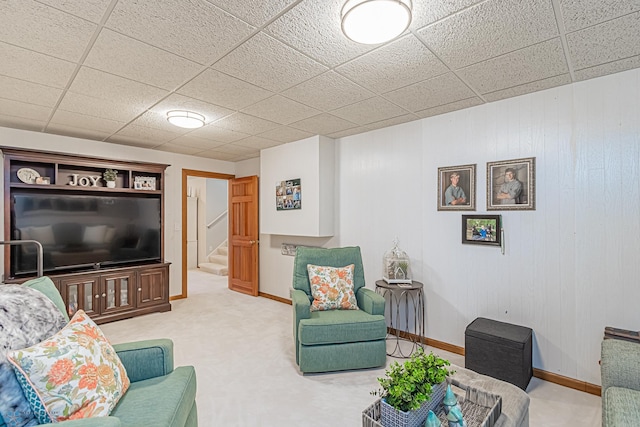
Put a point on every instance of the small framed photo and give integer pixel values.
(288, 195)
(457, 188)
(144, 183)
(482, 229)
(511, 185)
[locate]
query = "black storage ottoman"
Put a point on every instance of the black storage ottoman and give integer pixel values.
(499, 350)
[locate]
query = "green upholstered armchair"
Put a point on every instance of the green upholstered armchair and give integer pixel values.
(336, 340)
(620, 374)
(159, 394)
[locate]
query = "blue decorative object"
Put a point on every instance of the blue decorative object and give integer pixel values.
(455, 417)
(450, 400)
(432, 420)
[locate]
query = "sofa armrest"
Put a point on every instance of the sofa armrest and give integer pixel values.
(89, 422)
(301, 305)
(370, 301)
(146, 359)
(620, 364)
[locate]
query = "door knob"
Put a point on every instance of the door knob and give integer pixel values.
(253, 242)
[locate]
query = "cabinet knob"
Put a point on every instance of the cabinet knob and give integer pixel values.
(104, 295)
(139, 289)
(97, 296)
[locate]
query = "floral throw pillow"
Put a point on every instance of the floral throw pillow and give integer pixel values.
(74, 374)
(332, 288)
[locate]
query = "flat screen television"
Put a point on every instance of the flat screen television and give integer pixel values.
(80, 232)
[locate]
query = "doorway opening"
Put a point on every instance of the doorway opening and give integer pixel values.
(194, 250)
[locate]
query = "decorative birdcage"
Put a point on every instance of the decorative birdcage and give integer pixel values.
(396, 265)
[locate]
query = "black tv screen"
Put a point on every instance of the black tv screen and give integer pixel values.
(81, 231)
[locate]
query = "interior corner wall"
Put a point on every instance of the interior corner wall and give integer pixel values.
(570, 267)
(173, 179)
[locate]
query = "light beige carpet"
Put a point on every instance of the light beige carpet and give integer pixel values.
(243, 352)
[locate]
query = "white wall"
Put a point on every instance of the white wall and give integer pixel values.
(571, 266)
(173, 179)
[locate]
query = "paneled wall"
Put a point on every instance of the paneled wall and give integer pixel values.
(570, 267)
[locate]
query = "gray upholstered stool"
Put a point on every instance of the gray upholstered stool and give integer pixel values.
(500, 350)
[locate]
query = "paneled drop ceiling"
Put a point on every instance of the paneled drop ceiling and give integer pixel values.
(268, 72)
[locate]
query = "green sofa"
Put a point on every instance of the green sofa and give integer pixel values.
(336, 340)
(159, 395)
(620, 374)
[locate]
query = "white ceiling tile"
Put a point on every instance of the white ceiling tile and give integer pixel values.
(253, 155)
(323, 124)
(427, 12)
(41, 28)
(257, 143)
(369, 111)
(147, 134)
(286, 134)
(218, 134)
(31, 93)
(9, 107)
(606, 42)
(245, 123)
(397, 64)
(103, 108)
(526, 65)
(35, 67)
(189, 28)
(99, 84)
(135, 60)
(529, 87)
(220, 89)
(269, 63)
(171, 147)
(313, 27)
(391, 122)
(430, 93)
(327, 91)
(196, 142)
(21, 123)
(175, 101)
(349, 132)
(63, 118)
(280, 110)
(77, 132)
(447, 108)
(490, 29)
(255, 12)
(217, 155)
(91, 10)
(609, 68)
(131, 141)
(578, 14)
(236, 149)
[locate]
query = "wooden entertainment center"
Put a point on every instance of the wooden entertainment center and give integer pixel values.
(116, 290)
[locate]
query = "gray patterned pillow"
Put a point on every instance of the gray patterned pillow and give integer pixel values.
(26, 317)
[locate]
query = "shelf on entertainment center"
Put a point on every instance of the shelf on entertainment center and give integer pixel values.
(53, 187)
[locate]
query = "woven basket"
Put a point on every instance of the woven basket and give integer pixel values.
(391, 417)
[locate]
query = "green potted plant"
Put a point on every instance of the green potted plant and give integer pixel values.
(410, 390)
(110, 176)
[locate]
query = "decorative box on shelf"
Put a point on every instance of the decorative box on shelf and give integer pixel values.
(396, 265)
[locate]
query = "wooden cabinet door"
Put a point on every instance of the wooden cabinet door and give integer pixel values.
(152, 287)
(118, 291)
(81, 292)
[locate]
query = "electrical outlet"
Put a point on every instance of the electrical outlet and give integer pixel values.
(288, 249)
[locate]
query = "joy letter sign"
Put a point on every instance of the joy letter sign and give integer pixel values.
(84, 181)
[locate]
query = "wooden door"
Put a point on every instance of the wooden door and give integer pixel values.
(243, 235)
(152, 288)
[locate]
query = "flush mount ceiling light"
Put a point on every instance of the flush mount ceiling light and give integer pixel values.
(185, 119)
(375, 21)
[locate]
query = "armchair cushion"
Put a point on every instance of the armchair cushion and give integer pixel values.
(332, 288)
(73, 374)
(339, 327)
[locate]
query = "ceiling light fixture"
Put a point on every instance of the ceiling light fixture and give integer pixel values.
(375, 21)
(185, 119)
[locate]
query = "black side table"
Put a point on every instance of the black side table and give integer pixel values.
(409, 297)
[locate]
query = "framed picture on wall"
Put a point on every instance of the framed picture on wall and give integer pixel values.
(288, 195)
(511, 185)
(457, 188)
(482, 229)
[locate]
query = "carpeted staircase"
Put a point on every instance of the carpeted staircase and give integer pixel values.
(217, 261)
